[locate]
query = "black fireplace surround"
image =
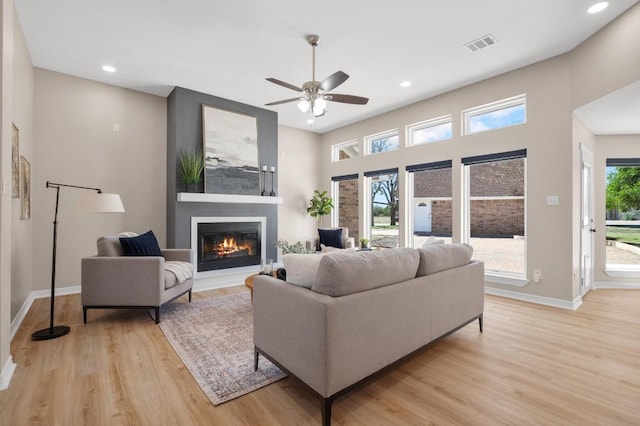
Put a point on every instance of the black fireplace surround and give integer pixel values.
(223, 245)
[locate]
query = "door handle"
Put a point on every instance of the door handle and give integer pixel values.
(592, 230)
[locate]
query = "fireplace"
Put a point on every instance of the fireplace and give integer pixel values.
(223, 243)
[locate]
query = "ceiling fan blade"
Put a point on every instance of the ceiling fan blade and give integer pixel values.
(333, 81)
(347, 99)
(283, 101)
(282, 83)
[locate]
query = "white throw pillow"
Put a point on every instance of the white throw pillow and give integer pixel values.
(301, 268)
(432, 240)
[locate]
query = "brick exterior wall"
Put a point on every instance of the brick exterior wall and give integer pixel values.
(349, 211)
(441, 215)
(497, 217)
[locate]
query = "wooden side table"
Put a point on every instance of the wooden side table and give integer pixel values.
(249, 282)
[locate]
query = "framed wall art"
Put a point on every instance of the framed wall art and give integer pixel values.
(230, 149)
(25, 189)
(15, 162)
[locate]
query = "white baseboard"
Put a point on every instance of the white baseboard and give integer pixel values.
(540, 300)
(7, 373)
(618, 286)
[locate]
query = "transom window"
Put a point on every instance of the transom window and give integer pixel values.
(496, 115)
(436, 129)
(345, 150)
(382, 142)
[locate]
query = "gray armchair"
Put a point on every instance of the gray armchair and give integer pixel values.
(347, 242)
(113, 280)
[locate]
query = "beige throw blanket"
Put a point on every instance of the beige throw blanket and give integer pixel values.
(182, 270)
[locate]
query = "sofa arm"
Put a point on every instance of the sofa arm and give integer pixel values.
(290, 325)
(122, 281)
(181, 255)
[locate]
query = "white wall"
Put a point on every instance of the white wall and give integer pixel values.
(298, 160)
(6, 106)
(75, 144)
(21, 244)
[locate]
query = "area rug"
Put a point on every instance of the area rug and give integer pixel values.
(214, 339)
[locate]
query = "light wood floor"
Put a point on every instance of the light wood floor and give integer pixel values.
(533, 365)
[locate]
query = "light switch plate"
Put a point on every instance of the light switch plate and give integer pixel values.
(553, 200)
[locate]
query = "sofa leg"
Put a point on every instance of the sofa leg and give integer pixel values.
(157, 314)
(480, 322)
(326, 411)
(189, 296)
(256, 354)
(84, 314)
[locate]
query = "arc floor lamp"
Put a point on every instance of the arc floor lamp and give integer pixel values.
(96, 203)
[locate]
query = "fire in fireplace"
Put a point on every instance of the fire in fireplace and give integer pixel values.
(228, 245)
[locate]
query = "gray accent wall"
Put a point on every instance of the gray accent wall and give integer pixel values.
(184, 131)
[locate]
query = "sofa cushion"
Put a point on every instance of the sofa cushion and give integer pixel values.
(110, 246)
(439, 257)
(432, 240)
(301, 268)
(340, 274)
(331, 237)
(142, 245)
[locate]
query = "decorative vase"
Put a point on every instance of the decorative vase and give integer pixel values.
(192, 187)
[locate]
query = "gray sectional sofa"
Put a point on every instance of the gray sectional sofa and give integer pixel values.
(361, 312)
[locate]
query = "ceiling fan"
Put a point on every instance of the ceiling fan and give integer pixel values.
(315, 93)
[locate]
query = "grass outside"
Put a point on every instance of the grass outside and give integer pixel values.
(622, 234)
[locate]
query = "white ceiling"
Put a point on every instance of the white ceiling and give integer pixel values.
(228, 47)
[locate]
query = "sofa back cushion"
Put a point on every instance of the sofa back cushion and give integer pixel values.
(340, 274)
(439, 257)
(110, 246)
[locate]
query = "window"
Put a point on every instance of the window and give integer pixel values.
(434, 130)
(382, 213)
(346, 207)
(345, 150)
(382, 142)
(504, 113)
(431, 210)
(494, 212)
(623, 214)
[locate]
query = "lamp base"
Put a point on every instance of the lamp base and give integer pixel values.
(50, 333)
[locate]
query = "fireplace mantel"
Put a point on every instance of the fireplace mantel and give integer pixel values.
(200, 197)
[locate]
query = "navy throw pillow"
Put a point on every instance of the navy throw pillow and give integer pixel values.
(142, 245)
(331, 237)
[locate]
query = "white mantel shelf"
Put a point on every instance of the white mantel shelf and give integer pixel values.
(199, 197)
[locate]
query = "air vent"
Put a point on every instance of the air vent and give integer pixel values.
(481, 43)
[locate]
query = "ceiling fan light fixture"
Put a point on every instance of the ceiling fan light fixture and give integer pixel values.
(303, 105)
(319, 106)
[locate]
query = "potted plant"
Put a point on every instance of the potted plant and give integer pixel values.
(364, 243)
(320, 205)
(191, 165)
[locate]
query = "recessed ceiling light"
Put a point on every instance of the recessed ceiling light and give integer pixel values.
(405, 84)
(598, 7)
(309, 121)
(108, 68)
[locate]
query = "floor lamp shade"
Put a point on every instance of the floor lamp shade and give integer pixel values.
(98, 202)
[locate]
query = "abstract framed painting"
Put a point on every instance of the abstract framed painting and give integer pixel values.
(230, 149)
(15, 162)
(25, 189)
